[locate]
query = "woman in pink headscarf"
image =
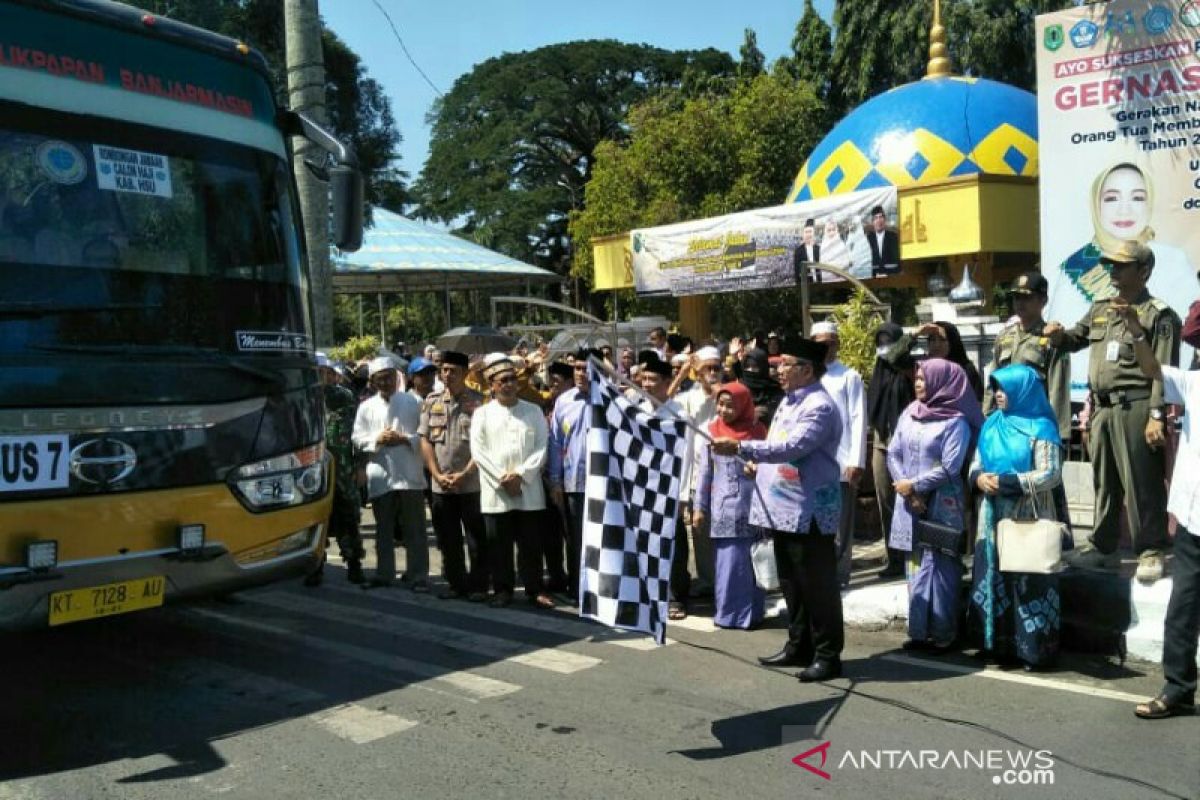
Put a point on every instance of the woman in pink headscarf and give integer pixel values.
(932, 441)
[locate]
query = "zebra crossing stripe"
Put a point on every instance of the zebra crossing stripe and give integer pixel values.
(466, 685)
(348, 721)
(506, 650)
(360, 725)
(547, 622)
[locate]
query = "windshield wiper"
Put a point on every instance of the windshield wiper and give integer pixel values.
(206, 355)
(36, 309)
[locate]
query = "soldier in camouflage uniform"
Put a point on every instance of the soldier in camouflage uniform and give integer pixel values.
(1128, 428)
(340, 407)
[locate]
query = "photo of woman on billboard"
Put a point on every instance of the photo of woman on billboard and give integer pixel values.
(1122, 203)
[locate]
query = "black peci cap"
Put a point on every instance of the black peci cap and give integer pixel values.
(455, 358)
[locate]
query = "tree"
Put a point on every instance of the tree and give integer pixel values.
(881, 44)
(514, 140)
(996, 38)
(688, 158)
(812, 50)
(753, 63)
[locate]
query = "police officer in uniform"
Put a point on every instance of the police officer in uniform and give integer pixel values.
(445, 433)
(340, 407)
(1025, 342)
(1128, 428)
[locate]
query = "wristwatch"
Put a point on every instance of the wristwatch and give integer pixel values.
(1156, 414)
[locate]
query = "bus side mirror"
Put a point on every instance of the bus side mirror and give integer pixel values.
(346, 184)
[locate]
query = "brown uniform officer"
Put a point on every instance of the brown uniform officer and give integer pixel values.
(1127, 424)
(1025, 342)
(446, 445)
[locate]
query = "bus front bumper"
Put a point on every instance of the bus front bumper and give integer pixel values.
(26, 595)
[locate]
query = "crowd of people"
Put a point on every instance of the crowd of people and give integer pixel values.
(779, 431)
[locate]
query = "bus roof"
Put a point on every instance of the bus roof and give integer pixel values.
(154, 26)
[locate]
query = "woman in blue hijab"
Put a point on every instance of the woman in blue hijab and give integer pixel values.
(1017, 465)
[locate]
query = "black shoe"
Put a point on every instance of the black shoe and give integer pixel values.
(354, 572)
(501, 599)
(821, 670)
(450, 594)
(787, 657)
(914, 644)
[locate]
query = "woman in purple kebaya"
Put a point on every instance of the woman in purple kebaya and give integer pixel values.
(932, 442)
(724, 489)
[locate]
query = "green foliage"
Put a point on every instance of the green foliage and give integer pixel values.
(881, 44)
(359, 111)
(693, 157)
(514, 140)
(359, 347)
(752, 62)
(857, 321)
(812, 51)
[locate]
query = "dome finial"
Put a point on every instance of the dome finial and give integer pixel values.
(939, 61)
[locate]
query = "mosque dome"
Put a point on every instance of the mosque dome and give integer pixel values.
(936, 128)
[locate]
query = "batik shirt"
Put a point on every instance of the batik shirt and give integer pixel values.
(569, 423)
(799, 480)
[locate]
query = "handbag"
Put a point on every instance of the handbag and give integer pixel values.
(1030, 546)
(938, 536)
(762, 557)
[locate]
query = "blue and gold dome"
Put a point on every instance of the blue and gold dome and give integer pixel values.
(922, 132)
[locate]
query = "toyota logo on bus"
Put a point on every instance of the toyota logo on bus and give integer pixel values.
(102, 461)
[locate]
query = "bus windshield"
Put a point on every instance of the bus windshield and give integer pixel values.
(122, 242)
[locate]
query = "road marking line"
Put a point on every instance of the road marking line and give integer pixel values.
(550, 659)
(692, 623)
(360, 725)
(552, 622)
(1028, 680)
(470, 687)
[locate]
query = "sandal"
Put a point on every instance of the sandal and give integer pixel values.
(1162, 707)
(676, 611)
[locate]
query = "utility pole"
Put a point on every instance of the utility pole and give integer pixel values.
(306, 93)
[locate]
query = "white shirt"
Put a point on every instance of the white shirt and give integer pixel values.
(700, 409)
(845, 386)
(396, 466)
(673, 410)
(509, 439)
(1183, 388)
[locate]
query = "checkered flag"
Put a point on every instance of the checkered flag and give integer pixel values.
(635, 466)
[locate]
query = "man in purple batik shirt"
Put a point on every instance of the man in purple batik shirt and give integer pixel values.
(798, 498)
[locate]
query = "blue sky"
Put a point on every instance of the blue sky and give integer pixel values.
(448, 37)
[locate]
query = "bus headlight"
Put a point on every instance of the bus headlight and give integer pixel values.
(287, 480)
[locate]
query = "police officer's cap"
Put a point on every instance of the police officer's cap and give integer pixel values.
(1030, 283)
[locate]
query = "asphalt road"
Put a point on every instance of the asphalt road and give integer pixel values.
(335, 692)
